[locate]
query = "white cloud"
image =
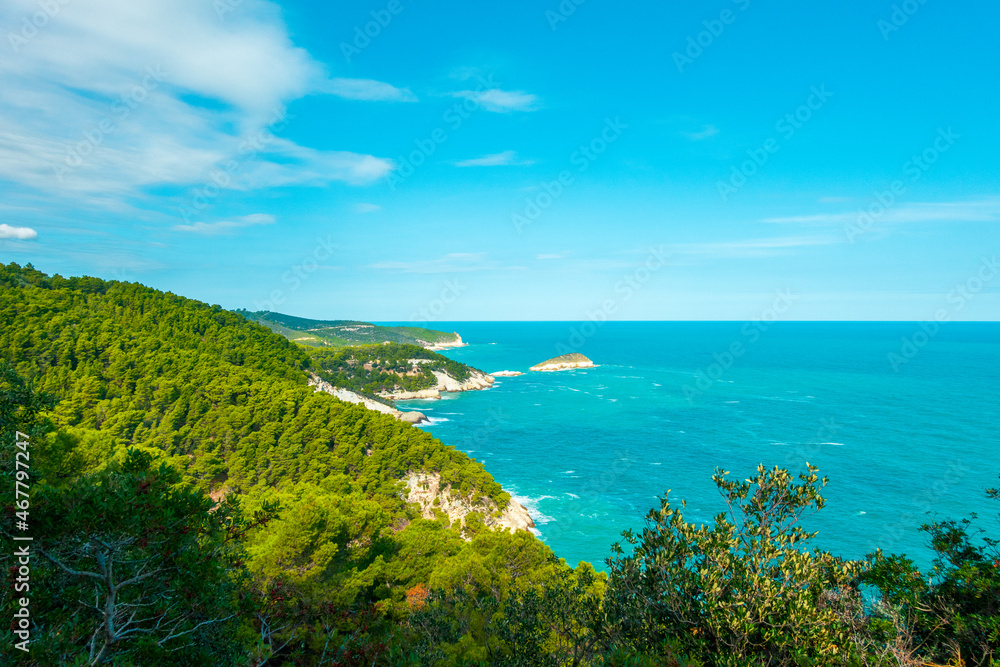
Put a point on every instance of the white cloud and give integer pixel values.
(551, 255)
(112, 96)
(987, 210)
(369, 90)
(456, 262)
(704, 133)
(22, 233)
(366, 208)
(748, 248)
(226, 226)
(501, 101)
(504, 159)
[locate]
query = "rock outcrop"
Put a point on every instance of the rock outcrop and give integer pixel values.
(477, 380)
(506, 374)
(447, 345)
(413, 417)
(425, 490)
(349, 396)
(564, 362)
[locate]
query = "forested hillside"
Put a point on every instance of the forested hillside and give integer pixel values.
(137, 378)
(194, 502)
(226, 400)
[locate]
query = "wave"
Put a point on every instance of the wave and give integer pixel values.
(531, 504)
(434, 421)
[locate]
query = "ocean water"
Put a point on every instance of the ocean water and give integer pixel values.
(902, 438)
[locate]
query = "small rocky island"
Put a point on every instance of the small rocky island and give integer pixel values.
(564, 362)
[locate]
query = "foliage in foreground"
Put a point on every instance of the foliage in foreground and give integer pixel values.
(741, 589)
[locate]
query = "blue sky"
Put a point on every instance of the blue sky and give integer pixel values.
(524, 161)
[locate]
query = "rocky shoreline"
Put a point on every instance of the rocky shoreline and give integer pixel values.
(349, 396)
(437, 347)
(445, 383)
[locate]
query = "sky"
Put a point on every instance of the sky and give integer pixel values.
(392, 160)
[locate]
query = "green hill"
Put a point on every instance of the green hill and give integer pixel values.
(340, 333)
(223, 403)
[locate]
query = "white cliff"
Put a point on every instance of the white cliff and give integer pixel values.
(445, 383)
(425, 490)
(437, 347)
(349, 396)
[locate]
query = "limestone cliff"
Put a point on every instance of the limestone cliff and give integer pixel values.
(477, 380)
(425, 490)
(351, 397)
(443, 345)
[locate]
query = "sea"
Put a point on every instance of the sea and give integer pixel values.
(901, 417)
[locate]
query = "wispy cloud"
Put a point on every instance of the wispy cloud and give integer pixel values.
(22, 233)
(113, 97)
(745, 249)
(504, 159)
(987, 210)
(551, 255)
(456, 262)
(501, 101)
(704, 133)
(368, 90)
(366, 208)
(226, 226)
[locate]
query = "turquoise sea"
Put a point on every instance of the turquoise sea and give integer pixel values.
(903, 419)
